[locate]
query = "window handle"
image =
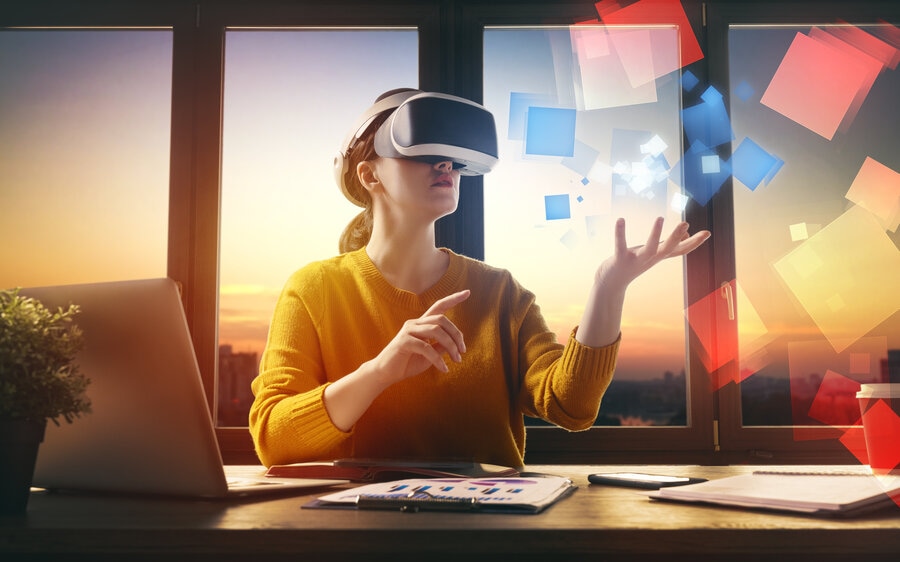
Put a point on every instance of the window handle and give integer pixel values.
(727, 294)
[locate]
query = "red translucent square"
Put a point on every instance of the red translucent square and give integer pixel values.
(854, 440)
(835, 402)
(655, 12)
(713, 320)
(816, 84)
(882, 429)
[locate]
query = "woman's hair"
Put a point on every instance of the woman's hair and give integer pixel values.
(359, 230)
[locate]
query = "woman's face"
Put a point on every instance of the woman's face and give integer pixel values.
(417, 189)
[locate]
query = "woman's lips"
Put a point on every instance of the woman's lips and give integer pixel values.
(443, 180)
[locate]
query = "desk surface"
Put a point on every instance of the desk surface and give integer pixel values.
(618, 523)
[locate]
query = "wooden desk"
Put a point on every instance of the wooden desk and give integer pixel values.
(596, 523)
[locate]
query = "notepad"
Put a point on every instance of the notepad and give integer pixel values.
(800, 492)
(493, 495)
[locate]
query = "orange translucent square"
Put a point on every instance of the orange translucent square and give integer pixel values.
(876, 188)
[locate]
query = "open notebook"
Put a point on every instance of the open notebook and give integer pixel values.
(822, 492)
(150, 431)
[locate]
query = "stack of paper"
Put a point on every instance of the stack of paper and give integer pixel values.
(803, 492)
(516, 495)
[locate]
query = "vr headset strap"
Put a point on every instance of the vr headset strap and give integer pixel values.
(379, 107)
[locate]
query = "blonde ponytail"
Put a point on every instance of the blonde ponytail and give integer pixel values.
(357, 233)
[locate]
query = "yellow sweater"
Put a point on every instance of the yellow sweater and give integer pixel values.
(335, 314)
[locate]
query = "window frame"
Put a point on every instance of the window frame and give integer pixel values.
(450, 60)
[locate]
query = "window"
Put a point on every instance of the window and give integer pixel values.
(140, 140)
(589, 132)
(816, 175)
(290, 98)
(84, 154)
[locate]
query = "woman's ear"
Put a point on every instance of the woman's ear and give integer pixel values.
(368, 175)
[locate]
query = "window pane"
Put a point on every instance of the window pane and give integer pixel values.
(588, 135)
(290, 98)
(84, 155)
(816, 207)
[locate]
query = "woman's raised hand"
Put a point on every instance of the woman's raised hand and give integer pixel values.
(626, 264)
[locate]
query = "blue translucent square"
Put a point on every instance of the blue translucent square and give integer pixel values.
(751, 164)
(583, 158)
(557, 207)
(518, 110)
(689, 81)
(744, 90)
(701, 187)
(711, 96)
(550, 131)
(708, 121)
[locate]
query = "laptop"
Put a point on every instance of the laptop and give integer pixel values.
(150, 431)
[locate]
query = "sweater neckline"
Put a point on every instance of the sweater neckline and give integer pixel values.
(445, 285)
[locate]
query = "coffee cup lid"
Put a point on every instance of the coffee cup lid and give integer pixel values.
(880, 390)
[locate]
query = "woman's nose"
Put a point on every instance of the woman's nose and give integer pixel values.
(444, 166)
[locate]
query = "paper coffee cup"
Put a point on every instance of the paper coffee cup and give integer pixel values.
(879, 405)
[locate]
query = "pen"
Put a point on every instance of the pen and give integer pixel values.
(416, 501)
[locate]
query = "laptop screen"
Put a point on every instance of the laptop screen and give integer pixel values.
(150, 430)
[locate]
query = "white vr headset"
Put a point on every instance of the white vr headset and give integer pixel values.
(427, 127)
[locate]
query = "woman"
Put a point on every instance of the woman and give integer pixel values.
(399, 349)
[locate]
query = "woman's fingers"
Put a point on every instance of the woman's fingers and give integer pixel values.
(440, 334)
(441, 306)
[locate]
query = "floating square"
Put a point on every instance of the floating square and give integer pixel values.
(744, 91)
(679, 202)
(876, 188)
(860, 363)
(713, 321)
(556, 207)
(658, 12)
(751, 164)
(711, 164)
(603, 82)
(799, 232)
(688, 173)
(846, 289)
(817, 372)
(519, 102)
(646, 53)
(835, 401)
(582, 159)
(689, 81)
(654, 147)
(708, 121)
(550, 131)
(815, 85)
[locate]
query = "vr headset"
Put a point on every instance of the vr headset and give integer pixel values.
(428, 127)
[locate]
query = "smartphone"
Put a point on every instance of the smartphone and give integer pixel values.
(641, 480)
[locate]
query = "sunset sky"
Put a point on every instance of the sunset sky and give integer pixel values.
(84, 168)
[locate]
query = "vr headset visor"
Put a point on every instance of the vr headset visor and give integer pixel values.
(432, 127)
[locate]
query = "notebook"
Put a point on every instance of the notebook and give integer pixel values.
(150, 431)
(811, 493)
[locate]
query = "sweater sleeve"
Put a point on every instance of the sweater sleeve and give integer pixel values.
(288, 420)
(561, 384)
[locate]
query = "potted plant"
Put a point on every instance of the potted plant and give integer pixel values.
(39, 381)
